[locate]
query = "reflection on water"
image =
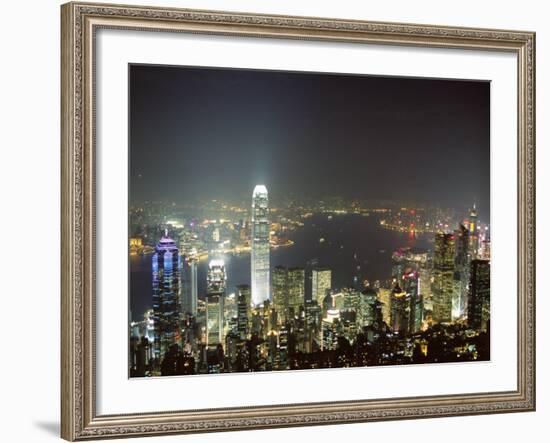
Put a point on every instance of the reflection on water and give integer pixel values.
(349, 244)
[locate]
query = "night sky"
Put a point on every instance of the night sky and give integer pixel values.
(200, 133)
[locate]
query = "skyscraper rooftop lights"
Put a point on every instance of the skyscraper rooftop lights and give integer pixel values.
(259, 189)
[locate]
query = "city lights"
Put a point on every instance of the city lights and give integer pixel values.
(432, 303)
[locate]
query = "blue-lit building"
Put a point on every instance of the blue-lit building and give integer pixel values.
(165, 266)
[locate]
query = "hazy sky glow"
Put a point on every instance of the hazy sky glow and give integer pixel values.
(205, 133)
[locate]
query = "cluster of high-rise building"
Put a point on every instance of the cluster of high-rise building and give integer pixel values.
(435, 307)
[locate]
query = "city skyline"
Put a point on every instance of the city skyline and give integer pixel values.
(293, 221)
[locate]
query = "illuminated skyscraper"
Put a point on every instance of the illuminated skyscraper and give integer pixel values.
(321, 283)
(369, 310)
(329, 330)
(215, 297)
(479, 295)
(230, 312)
(243, 310)
(443, 275)
(474, 234)
(260, 246)
(166, 299)
(384, 297)
(194, 287)
(462, 271)
(312, 316)
(400, 310)
(280, 292)
(190, 300)
(296, 289)
(410, 283)
(351, 299)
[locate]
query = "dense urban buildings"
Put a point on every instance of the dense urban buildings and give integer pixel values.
(430, 304)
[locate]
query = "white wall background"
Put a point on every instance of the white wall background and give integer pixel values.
(29, 216)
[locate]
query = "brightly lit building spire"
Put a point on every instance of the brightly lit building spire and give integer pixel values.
(260, 246)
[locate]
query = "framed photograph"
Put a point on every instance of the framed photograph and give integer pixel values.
(282, 221)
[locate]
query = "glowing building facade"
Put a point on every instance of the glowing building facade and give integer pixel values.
(321, 283)
(260, 246)
(215, 298)
(165, 266)
(474, 232)
(329, 330)
(411, 285)
(243, 310)
(296, 289)
(190, 299)
(369, 311)
(462, 271)
(288, 292)
(479, 295)
(443, 274)
(400, 310)
(280, 292)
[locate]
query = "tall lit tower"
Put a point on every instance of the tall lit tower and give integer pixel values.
(400, 310)
(410, 284)
(321, 283)
(443, 273)
(479, 295)
(260, 246)
(194, 287)
(190, 300)
(243, 308)
(462, 271)
(165, 266)
(474, 234)
(215, 298)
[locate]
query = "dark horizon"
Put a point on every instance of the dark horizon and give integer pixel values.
(202, 133)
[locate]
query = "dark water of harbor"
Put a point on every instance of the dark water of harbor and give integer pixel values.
(349, 241)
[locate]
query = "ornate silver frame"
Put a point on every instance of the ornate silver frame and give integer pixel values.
(80, 21)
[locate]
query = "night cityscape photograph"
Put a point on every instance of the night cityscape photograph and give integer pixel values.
(302, 220)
